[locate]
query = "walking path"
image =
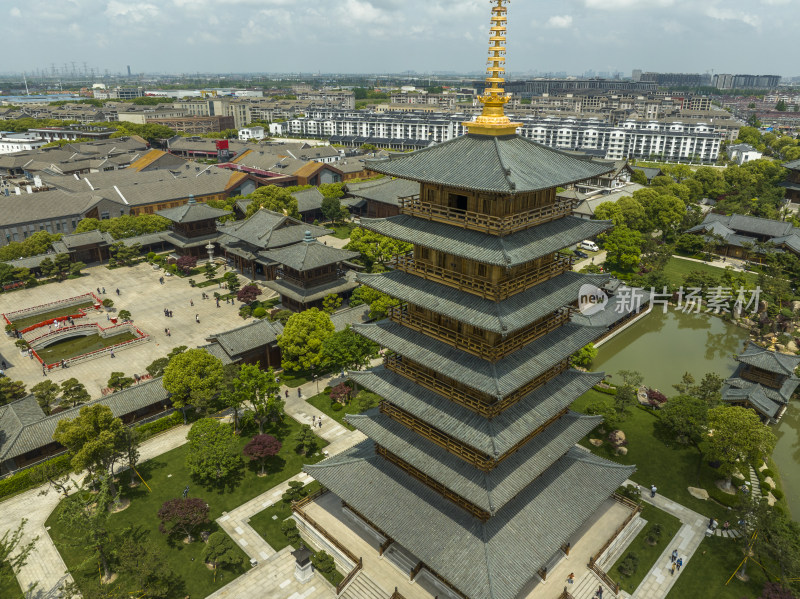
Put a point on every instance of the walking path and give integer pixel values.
(658, 581)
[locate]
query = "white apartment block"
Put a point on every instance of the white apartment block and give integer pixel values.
(16, 142)
(671, 141)
(248, 133)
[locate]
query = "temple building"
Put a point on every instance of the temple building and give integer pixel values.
(764, 380)
(470, 469)
(194, 226)
(309, 271)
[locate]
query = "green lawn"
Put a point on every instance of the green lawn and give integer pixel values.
(295, 378)
(672, 467)
(323, 403)
(167, 476)
(76, 346)
(711, 566)
(647, 554)
(676, 269)
(9, 587)
(342, 231)
(269, 528)
(27, 321)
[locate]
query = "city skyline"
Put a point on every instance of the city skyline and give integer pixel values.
(390, 36)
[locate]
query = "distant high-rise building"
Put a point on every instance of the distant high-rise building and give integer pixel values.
(636, 75)
(727, 81)
(129, 70)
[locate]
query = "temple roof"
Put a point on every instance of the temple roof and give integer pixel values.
(254, 334)
(504, 317)
(508, 251)
(769, 360)
(317, 292)
(309, 254)
(493, 437)
(192, 212)
(753, 394)
(491, 560)
(497, 379)
(266, 229)
(508, 164)
(488, 490)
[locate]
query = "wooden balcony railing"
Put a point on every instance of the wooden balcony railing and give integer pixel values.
(759, 376)
(477, 221)
(472, 345)
(502, 289)
(474, 402)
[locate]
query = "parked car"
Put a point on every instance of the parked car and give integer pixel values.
(580, 254)
(589, 245)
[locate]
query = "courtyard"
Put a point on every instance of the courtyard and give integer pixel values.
(145, 298)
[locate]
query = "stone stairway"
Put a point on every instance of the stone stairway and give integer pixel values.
(363, 587)
(586, 587)
(755, 484)
(617, 548)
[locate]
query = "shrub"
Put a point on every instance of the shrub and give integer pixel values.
(777, 494)
(21, 343)
(765, 488)
(151, 256)
(606, 390)
(629, 565)
(281, 316)
(653, 535)
(259, 312)
(323, 562)
(245, 312)
(186, 264)
(27, 479)
(151, 429)
(722, 497)
(632, 492)
(655, 397)
(765, 473)
(336, 406)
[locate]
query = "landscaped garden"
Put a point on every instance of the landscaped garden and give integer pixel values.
(26, 321)
(166, 478)
(77, 346)
(268, 522)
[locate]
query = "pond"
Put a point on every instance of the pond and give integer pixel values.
(665, 346)
(76, 346)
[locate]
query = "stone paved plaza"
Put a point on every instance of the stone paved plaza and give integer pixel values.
(142, 295)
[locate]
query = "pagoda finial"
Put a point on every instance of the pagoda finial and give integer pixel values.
(493, 120)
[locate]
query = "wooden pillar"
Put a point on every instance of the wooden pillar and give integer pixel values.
(415, 571)
(543, 573)
(565, 548)
(384, 546)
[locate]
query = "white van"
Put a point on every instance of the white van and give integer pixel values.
(589, 245)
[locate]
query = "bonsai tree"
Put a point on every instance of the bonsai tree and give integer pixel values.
(108, 304)
(323, 562)
(306, 440)
(261, 448)
(220, 551)
(289, 530)
(181, 517)
(124, 315)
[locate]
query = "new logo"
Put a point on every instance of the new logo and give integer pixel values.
(591, 299)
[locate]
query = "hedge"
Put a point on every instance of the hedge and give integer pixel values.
(777, 494)
(606, 390)
(724, 498)
(151, 429)
(26, 479)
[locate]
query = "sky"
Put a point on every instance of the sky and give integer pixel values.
(394, 36)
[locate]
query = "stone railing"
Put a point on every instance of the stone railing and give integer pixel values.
(42, 308)
(106, 350)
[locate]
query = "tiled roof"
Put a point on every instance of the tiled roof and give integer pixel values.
(192, 212)
(508, 251)
(45, 205)
(308, 199)
(248, 337)
(350, 316)
(754, 395)
(491, 560)
(504, 317)
(317, 292)
(769, 360)
(266, 229)
(496, 379)
(386, 191)
(511, 164)
(309, 254)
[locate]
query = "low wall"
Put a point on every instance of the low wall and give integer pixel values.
(41, 309)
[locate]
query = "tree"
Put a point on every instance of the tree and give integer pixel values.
(248, 294)
(628, 391)
(181, 517)
(38, 243)
(709, 389)
(332, 208)
(289, 530)
(185, 264)
(231, 281)
(306, 440)
(585, 355)
(45, 394)
(364, 400)
(86, 517)
(323, 562)
(781, 106)
(193, 377)
(14, 552)
(130, 449)
(124, 315)
(376, 248)
(123, 255)
(737, 437)
(331, 303)
(95, 440)
(146, 565)
(623, 247)
(157, 367)
(58, 267)
(220, 551)
(213, 456)
(272, 198)
(52, 473)
(262, 391)
(346, 349)
(11, 390)
(341, 393)
(209, 271)
(686, 384)
(686, 416)
(639, 177)
(118, 381)
(296, 490)
(108, 303)
(261, 448)
(302, 338)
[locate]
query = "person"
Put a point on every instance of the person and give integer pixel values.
(217, 302)
(674, 555)
(299, 392)
(165, 330)
(3, 364)
(112, 354)
(319, 422)
(98, 290)
(679, 563)
(313, 419)
(191, 302)
(287, 394)
(170, 313)
(672, 569)
(653, 490)
(571, 578)
(169, 334)
(117, 290)
(726, 526)
(104, 290)
(711, 522)
(161, 280)
(197, 318)
(44, 370)
(714, 524)
(599, 593)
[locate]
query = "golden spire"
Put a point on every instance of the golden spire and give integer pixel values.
(493, 120)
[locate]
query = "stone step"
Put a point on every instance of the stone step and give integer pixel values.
(363, 587)
(586, 587)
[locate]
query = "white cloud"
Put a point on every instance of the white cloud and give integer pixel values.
(131, 12)
(776, 2)
(15, 12)
(559, 22)
(627, 4)
(728, 14)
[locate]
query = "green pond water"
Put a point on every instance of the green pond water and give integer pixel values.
(664, 346)
(76, 346)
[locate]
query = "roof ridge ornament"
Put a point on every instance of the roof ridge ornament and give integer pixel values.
(493, 121)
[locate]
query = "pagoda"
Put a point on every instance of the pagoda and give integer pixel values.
(470, 463)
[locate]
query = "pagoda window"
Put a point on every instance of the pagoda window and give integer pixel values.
(424, 253)
(482, 270)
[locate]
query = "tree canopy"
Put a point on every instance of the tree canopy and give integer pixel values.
(272, 198)
(347, 349)
(302, 339)
(193, 377)
(738, 438)
(213, 456)
(375, 248)
(623, 247)
(122, 227)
